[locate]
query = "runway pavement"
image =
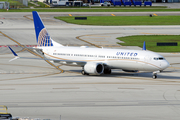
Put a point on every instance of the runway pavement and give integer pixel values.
(37, 89)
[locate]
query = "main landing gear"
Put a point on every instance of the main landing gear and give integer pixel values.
(107, 71)
(84, 73)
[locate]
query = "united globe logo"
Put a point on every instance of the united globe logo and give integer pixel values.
(44, 38)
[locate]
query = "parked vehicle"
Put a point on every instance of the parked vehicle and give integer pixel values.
(85, 4)
(59, 3)
(78, 3)
(105, 4)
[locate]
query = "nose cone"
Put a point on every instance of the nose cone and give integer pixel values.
(165, 64)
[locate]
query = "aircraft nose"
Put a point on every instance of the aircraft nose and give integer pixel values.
(165, 64)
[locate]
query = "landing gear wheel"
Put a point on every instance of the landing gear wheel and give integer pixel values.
(154, 76)
(107, 71)
(84, 73)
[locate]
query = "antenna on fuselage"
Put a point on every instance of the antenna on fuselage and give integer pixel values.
(144, 46)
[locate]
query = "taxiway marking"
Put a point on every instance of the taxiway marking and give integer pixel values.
(113, 14)
(155, 14)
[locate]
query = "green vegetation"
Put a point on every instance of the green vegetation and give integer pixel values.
(124, 20)
(151, 42)
(40, 5)
(31, 5)
(13, 4)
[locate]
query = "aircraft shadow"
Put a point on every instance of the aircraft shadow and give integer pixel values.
(129, 74)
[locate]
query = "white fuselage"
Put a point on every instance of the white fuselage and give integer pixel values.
(113, 58)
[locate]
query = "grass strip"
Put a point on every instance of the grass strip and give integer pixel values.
(124, 20)
(151, 42)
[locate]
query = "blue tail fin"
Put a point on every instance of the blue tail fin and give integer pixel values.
(42, 36)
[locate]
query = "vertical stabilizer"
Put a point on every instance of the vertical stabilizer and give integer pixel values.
(42, 36)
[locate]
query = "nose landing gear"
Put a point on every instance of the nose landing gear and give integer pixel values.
(155, 74)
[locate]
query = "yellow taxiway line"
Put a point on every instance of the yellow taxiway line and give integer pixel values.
(155, 14)
(113, 14)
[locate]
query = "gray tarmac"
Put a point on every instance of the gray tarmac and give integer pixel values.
(36, 89)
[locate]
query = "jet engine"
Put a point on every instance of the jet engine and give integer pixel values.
(93, 68)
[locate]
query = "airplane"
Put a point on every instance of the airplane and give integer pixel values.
(95, 61)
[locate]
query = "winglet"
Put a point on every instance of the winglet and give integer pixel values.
(16, 56)
(144, 46)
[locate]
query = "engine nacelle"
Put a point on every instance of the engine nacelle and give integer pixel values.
(94, 68)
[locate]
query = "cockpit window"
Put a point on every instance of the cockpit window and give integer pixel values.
(160, 58)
